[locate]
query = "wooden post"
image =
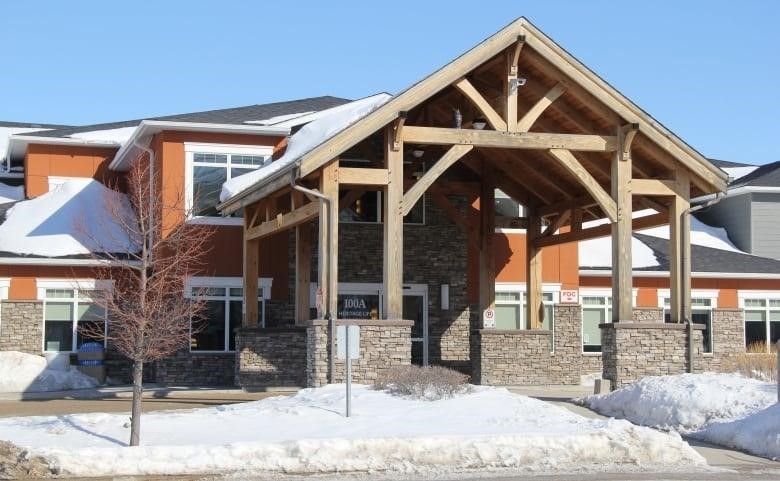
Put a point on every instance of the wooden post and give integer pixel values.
(328, 257)
(393, 229)
(302, 272)
(679, 252)
(251, 273)
(487, 211)
(622, 309)
(533, 269)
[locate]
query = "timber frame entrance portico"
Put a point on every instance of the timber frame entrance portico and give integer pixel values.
(515, 113)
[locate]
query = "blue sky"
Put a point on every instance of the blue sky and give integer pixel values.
(708, 70)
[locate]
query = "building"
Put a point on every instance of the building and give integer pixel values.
(466, 237)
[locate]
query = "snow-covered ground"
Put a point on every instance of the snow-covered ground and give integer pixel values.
(724, 409)
(20, 372)
(308, 433)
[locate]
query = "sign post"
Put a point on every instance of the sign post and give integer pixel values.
(348, 341)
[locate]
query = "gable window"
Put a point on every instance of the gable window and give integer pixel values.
(762, 320)
(67, 311)
(212, 331)
(702, 304)
(209, 166)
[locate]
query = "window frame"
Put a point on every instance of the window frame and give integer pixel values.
(75, 285)
(768, 296)
(711, 295)
(226, 283)
(192, 148)
(553, 289)
(605, 292)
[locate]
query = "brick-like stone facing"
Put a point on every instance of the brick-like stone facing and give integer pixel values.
(511, 357)
(271, 357)
(728, 338)
(192, 368)
(383, 345)
(634, 350)
(21, 326)
(648, 314)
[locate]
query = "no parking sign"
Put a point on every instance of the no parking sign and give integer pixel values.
(489, 318)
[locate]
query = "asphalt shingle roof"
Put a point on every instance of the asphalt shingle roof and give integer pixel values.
(235, 115)
(727, 163)
(767, 175)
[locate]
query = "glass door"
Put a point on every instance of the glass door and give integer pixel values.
(415, 308)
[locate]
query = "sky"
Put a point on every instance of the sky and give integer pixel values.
(708, 70)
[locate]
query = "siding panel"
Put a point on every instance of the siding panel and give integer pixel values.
(766, 225)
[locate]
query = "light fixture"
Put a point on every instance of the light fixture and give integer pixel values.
(445, 297)
(479, 123)
(417, 153)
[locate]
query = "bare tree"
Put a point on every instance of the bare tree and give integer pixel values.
(148, 314)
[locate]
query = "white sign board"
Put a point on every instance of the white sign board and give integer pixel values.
(571, 296)
(354, 342)
(489, 318)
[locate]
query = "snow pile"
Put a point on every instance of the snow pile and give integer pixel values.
(308, 433)
(75, 218)
(10, 193)
(331, 122)
(598, 253)
(724, 409)
(701, 235)
(115, 136)
(20, 372)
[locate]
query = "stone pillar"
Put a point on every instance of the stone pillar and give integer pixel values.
(21, 326)
(728, 338)
(271, 357)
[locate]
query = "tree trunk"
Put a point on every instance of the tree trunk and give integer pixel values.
(138, 391)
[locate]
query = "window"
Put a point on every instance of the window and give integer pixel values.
(595, 310)
(506, 206)
(224, 299)
(762, 322)
(66, 312)
(368, 209)
(701, 313)
(511, 301)
(209, 166)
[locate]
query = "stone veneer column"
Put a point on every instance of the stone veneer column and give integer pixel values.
(632, 350)
(21, 326)
(271, 357)
(383, 345)
(728, 338)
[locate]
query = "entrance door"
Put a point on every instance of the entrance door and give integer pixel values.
(415, 308)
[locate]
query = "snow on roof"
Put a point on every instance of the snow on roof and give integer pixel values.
(10, 193)
(51, 225)
(331, 122)
(117, 136)
(598, 252)
(278, 119)
(738, 172)
(6, 132)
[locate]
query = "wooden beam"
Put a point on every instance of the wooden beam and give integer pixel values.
(251, 273)
(504, 222)
(530, 117)
(393, 232)
(398, 126)
(571, 164)
(302, 272)
(533, 269)
(602, 230)
(510, 87)
(622, 308)
(509, 140)
(362, 176)
(480, 103)
(283, 222)
(654, 187)
(651, 204)
(629, 132)
(556, 224)
(679, 256)
(418, 189)
(328, 243)
(487, 215)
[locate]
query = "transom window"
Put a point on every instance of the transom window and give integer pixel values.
(762, 323)
(209, 166)
(224, 298)
(66, 313)
(701, 313)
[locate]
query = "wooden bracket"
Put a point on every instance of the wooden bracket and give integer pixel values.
(516, 55)
(629, 132)
(398, 127)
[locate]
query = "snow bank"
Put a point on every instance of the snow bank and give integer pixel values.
(75, 218)
(721, 408)
(117, 136)
(308, 433)
(20, 372)
(331, 122)
(9, 193)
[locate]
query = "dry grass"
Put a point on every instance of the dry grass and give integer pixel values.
(429, 382)
(755, 363)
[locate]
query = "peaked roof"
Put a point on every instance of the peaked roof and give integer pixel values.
(235, 115)
(706, 176)
(31, 125)
(767, 175)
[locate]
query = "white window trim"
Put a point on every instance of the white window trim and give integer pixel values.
(522, 288)
(606, 291)
(5, 284)
(756, 294)
(712, 295)
(76, 284)
(191, 148)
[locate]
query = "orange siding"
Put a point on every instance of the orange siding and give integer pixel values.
(23, 286)
(559, 263)
(42, 161)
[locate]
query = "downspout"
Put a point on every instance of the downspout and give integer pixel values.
(684, 241)
(151, 192)
(323, 199)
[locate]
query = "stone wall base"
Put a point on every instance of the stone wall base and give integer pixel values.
(273, 357)
(21, 326)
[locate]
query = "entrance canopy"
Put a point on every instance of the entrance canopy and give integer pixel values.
(517, 113)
